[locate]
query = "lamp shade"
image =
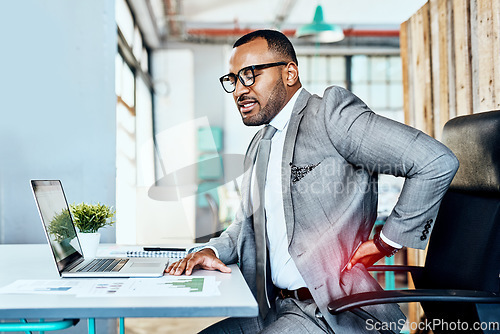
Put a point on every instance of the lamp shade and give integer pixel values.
(319, 31)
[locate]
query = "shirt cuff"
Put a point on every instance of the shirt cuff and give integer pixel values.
(199, 248)
(389, 242)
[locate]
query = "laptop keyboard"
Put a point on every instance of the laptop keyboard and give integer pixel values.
(103, 265)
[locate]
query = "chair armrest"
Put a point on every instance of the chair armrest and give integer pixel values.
(406, 296)
(395, 268)
(415, 271)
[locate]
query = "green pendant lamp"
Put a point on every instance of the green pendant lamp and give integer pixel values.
(319, 31)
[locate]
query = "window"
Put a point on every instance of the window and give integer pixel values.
(319, 72)
(377, 80)
(134, 121)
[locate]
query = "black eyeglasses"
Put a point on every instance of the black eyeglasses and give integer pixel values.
(246, 76)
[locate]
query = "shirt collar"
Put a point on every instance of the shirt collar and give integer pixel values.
(281, 120)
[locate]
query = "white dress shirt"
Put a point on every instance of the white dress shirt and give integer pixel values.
(284, 273)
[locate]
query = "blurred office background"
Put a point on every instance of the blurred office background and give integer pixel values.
(119, 98)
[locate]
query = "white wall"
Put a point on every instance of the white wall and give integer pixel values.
(57, 113)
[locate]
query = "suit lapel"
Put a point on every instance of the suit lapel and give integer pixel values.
(288, 150)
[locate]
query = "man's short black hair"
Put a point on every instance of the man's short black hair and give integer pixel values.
(276, 42)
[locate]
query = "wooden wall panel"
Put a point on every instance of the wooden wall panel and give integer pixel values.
(450, 46)
(450, 53)
(486, 42)
(405, 53)
(439, 21)
(435, 69)
(417, 78)
(474, 44)
(451, 61)
(496, 51)
(420, 60)
(463, 70)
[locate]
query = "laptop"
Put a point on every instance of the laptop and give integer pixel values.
(68, 256)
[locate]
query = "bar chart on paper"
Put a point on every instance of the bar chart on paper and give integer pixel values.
(194, 284)
(173, 286)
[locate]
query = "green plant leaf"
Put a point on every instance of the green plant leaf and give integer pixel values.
(89, 218)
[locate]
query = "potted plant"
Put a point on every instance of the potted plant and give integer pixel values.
(89, 218)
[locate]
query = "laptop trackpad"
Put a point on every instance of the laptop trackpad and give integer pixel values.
(144, 265)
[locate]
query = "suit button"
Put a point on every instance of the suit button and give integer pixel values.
(426, 231)
(423, 237)
(428, 226)
(430, 221)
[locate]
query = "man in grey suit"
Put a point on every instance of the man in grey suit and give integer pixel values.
(319, 195)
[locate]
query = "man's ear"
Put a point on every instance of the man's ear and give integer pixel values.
(292, 74)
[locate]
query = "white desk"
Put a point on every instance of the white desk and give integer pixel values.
(35, 262)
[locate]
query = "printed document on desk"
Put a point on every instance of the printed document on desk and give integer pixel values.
(169, 286)
(51, 287)
(166, 286)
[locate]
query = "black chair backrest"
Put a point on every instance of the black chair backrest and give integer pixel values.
(464, 248)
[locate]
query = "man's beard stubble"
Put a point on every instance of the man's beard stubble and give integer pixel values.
(274, 105)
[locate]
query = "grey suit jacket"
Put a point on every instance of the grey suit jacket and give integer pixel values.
(332, 208)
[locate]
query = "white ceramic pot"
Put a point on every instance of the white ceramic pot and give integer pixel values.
(89, 243)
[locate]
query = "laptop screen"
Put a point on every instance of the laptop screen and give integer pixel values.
(57, 221)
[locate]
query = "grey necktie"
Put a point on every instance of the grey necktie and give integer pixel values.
(260, 217)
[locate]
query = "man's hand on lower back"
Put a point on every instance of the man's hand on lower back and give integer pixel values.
(367, 254)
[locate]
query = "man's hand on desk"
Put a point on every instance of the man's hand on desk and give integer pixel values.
(204, 259)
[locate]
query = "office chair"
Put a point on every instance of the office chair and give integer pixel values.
(214, 210)
(460, 282)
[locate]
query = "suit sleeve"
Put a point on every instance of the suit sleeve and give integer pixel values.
(226, 243)
(381, 145)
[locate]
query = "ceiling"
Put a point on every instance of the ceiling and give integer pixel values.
(216, 21)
